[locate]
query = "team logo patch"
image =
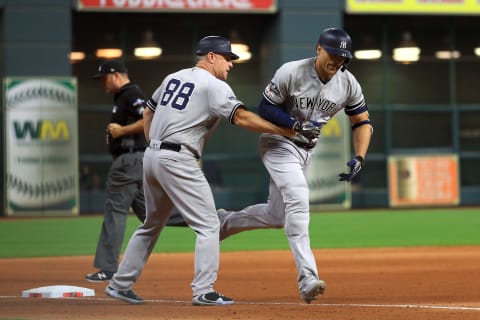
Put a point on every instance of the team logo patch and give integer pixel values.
(272, 89)
(138, 102)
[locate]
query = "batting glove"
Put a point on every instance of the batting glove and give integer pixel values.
(355, 166)
(307, 129)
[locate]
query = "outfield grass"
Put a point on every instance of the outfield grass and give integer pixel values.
(353, 229)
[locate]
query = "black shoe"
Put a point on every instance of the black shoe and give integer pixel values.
(127, 296)
(99, 276)
(211, 299)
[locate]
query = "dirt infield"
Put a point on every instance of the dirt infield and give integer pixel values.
(389, 284)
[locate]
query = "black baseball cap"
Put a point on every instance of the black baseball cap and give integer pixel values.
(215, 44)
(109, 66)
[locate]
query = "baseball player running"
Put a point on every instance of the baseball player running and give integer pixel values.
(303, 94)
(179, 118)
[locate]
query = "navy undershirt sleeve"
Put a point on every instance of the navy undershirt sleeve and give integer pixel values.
(275, 114)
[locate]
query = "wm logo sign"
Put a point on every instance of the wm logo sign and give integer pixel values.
(42, 130)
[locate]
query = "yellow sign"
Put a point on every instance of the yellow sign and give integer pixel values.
(467, 7)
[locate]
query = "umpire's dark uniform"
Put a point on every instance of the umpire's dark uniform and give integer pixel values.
(124, 189)
(125, 178)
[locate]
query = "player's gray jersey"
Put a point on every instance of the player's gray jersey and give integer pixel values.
(188, 105)
(297, 88)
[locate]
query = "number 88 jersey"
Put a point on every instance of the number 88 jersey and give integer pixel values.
(188, 105)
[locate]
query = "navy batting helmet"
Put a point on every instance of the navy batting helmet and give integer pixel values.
(337, 42)
(215, 44)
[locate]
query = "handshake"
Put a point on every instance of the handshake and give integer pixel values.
(307, 129)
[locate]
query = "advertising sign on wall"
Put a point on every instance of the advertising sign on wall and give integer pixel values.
(329, 158)
(225, 6)
(41, 146)
(423, 180)
(449, 7)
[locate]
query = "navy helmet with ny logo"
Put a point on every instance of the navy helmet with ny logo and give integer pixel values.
(337, 42)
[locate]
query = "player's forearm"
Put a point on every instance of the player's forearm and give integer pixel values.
(253, 122)
(361, 140)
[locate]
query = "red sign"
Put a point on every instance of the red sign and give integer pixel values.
(233, 6)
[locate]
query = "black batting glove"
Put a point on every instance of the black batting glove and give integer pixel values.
(355, 166)
(307, 129)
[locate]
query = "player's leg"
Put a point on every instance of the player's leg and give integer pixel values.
(297, 219)
(190, 191)
(258, 216)
(136, 169)
(263, 215)
(138, 203)
(140, 247)
(113, 229)
(120, 192)
(188, 188)
(285, 163)
(158, 207)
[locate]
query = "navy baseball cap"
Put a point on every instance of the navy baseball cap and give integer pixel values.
(109, 66)
(215, 44)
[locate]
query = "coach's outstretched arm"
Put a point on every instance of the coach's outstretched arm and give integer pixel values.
(253, 122)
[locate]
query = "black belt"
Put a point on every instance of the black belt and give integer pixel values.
(171, 146)
(304, 145)
(166, 146)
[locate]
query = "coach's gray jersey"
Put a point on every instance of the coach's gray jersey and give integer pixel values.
(298, 89)
(185, 113)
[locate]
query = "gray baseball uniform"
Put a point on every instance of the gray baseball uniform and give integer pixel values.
(188, 105)
(297, 89)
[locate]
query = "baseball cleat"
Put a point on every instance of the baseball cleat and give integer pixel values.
(211, 299)
(127, 295)
(312, 290)
(99, 276)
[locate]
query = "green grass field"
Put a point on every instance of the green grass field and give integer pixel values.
(73, 236)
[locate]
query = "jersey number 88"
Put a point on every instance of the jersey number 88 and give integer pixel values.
(179, 92)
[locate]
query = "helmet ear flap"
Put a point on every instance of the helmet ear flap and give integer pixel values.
(345, 64)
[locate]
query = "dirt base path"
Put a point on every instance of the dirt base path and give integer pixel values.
(389, 284)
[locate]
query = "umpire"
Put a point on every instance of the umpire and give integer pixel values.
(126, 143)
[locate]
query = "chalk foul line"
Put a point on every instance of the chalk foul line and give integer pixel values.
(318, 305)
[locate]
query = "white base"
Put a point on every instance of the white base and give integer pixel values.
(59, 291)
